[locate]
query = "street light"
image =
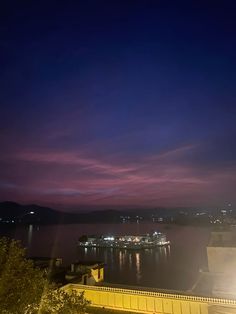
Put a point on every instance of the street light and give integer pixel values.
(24, 215)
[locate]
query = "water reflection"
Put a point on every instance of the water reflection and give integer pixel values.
(138, 267)
(137, 260)
(130, 261)
(30, 234)
(121, 259)
(163, 253)
(131, 264)
(174, 267)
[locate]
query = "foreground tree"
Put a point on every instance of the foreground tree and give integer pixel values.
(20, 283)
(59, 302)
(24, 289)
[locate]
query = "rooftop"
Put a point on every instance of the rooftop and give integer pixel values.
(89, 263)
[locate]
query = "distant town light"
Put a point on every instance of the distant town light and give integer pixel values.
(31, 213)
(109, 238)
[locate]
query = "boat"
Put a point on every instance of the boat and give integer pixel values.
(147, 241)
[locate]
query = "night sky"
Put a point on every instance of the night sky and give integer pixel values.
(118, 104)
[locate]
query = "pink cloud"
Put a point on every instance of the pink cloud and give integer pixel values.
(73, 178)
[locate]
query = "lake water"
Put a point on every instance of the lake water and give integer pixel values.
(174, 267)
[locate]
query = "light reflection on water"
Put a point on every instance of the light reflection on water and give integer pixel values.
(138, 266)
(131, 263)
(174, 267)
(30, 234)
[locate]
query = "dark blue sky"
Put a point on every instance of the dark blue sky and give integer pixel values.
(118, 103)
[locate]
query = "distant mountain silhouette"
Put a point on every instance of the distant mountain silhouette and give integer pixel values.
(11, 212)
(14, 213)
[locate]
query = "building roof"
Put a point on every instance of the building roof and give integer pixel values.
(89, 263)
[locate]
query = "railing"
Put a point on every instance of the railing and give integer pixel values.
(181, 297)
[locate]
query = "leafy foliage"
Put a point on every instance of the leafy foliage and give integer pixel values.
(20, 283)
(25, 290)
(59, 302)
